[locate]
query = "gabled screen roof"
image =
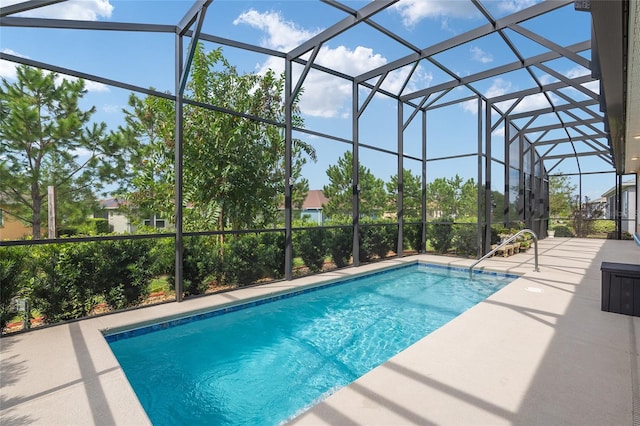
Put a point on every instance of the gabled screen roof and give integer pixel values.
(530, 59)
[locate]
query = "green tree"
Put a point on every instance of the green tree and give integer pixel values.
(48, 140)
(412, 194)
(468, 199)
(441, 198)
(497, 207)
(453, 198)
(561, 192)
(151, 190)
(233, 165)
(13, 277)
(339, 191)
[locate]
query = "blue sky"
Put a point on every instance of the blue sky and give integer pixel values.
(147, 60)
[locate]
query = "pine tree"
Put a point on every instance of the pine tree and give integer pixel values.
(48, 140)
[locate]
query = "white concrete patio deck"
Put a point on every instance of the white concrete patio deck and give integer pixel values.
(538, 352)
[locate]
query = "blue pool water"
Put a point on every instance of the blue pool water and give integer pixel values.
(265, 364)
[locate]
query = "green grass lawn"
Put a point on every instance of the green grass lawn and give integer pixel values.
(159, 284)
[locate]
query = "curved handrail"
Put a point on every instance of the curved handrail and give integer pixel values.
(507, 241)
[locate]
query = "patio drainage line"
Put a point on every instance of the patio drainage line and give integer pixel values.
(635, 386)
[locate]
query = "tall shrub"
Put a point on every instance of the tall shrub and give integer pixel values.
(200, 262)
(412, 235)
(72, 278)
(377, 239)
(440, 235)
(271, 254)
(163, 256)
(13, 262)
(94, 226)
(340, 242)
(241, 260)
(603, 226)
(465, 238)
(563, 231)
(124, 275)
(65, 287)
(309, 244)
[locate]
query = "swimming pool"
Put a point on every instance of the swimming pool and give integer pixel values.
(267, 361)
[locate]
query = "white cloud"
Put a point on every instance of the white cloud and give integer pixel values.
(84, 153)
(498, 87)
(327, 96)
(534, 102)
(85, 10)
(547, 79)
(511, 6)
(8, 71)
(573, 73)
(480, 55)
(90, 86)
(578, 71)
(8, 68)
(594, 86)
(413, 11)
(111, 109)
(419, 80)
(93, 86)
(324, 95)
(281, 34)
(352, 62)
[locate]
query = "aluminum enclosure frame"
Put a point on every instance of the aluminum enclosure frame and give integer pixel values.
(417, 104)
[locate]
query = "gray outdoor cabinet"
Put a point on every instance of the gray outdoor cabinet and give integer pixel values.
(621, 288)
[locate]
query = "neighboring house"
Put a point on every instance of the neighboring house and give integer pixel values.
(312, 206)
(627, 204)
(112, 210)
(12, 228)
(115, 212)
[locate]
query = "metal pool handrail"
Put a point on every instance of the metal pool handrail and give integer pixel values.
(504, 243)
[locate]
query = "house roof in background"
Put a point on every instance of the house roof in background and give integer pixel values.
(111, 203)
(315, 199)
(624, 186)
(598, 200)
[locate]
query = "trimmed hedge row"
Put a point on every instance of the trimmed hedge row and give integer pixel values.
(67, 280)
(446, 236)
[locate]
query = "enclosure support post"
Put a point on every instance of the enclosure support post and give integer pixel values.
(618, 206)
(194, 17)
(532, 188)
(356, 178)
(488, 206)
(288, 135)
(400, 200)
(423, 230)
(480, 223)
(522, 208)
(179, 245)
(507, 182)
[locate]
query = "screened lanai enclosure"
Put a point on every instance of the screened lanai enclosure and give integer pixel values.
(188, 147)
